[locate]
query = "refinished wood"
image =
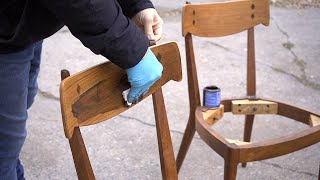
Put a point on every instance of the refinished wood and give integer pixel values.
(223, 18)
(226, 18)
(210, 20)
(80, 156)
(213, 139)
(279, 146)
(168, 164)
(95, 95)
(259, 150)
(78, 149)
(251, 84)
(194, 101)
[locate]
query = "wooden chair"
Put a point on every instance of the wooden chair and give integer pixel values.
(222, 19)
(95, 95)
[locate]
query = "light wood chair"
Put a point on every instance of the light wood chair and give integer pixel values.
(95, 95)
(223, 19)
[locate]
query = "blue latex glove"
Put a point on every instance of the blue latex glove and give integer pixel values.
(143, 75)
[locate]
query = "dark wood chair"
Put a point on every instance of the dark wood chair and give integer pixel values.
(95, 95)
(223, 19)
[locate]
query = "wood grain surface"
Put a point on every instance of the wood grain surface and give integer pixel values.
(95, 95)
(223, 18)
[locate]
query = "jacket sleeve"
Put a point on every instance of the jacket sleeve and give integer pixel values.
(132, 7)
(103, 28)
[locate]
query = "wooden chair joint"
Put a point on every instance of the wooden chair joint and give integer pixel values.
(314, 120)
(251, 107)
(237, 142)
(211, 116)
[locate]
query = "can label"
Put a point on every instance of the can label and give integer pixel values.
(211, 97)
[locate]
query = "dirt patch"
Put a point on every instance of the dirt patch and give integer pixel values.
(296, 3)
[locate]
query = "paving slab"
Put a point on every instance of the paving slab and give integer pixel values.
(126, 146)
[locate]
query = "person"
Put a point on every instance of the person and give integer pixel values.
(120, 30)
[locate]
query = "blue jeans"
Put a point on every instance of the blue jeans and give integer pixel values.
(18, 87)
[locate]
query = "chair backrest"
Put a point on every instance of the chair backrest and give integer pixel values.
(221, 19)
(95, 95)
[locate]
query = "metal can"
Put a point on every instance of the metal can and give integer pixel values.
(211, 97)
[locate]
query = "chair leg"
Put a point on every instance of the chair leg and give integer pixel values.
(230, 170)
(186, 141)
(80, 156)
(247, 131)
(168, 164)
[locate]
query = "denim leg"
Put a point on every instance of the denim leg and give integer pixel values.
(20, 170)
(33, 75)
(15, 76)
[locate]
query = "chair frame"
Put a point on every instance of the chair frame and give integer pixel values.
(84, 103)
(195, 21)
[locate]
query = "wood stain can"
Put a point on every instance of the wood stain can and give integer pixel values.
(211, 97)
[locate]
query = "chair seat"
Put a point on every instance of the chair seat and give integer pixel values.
(247, 151)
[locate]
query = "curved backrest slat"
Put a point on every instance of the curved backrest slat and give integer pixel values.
(95, 95)
(223, 18)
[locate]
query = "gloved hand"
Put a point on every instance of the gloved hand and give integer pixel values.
(150, 23)
(143, 75)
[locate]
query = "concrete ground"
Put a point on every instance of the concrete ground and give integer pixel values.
(125, 147)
